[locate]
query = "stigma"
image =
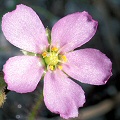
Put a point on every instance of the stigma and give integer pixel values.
(51, 58)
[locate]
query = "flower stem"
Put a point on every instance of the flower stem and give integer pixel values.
(35, 108)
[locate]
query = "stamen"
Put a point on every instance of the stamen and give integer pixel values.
(54, 49)
(64, 58)
(60, 61)
(60, 67)
(44, 54)
(51, 67)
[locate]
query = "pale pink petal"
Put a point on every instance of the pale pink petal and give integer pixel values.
(88, 66)
(23, 28)
(22, 73)
(62, 95)
(73, 30)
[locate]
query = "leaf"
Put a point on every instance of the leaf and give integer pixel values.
(2, 88)
(2, 82)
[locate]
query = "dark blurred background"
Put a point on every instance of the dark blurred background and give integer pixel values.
(102, 102)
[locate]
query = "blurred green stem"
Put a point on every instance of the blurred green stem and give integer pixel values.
(36, 107)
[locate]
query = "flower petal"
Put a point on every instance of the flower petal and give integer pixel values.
(73, 30)
(22, 73)
(88, 66)
(62, 95)
(23, 28)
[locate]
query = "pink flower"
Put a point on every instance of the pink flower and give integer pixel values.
(24, 29)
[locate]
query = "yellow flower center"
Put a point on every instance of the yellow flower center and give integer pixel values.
(53, 59)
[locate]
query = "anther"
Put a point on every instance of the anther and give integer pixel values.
(60, 67)
(64, 58)
(44, 54)
(51, 67)
(54, 49)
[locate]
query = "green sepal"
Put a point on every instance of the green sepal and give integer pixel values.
(28, 53)
(48, 33)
